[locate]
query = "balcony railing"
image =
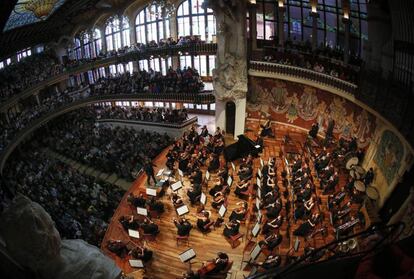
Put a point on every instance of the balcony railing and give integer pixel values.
(304, 74)
(196, 98)
(128, 55)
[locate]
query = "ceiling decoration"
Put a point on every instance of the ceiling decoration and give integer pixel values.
(31, 11)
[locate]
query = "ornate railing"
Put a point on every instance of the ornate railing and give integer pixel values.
(298, 73)
(128, 55)
(197, 98)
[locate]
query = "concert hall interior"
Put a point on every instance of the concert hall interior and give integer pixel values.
(192, 139)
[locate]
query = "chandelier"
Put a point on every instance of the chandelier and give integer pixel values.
(163, 8)
(40, 8)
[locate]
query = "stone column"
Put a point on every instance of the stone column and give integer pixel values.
(103, 39)
(253, 25)
(280, 24)
(347, 26)
(173, 27)
(315, 17)
(230, 74)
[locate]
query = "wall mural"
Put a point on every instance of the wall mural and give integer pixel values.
(302, 105)
(389, 155)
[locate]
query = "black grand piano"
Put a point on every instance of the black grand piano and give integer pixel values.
(243, 147)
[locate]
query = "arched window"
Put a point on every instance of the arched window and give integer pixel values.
(193, 19)
(86, 43)
(77, 50)
(117, 33)
(97, 42)
(151, 26)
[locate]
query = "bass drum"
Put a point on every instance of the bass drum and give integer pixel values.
(350, 160)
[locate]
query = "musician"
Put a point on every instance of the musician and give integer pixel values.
(203, 221)
(272, 224)
(231, 228)
(271, 241)
(215, 266)
(350, 184)
(176, 200)
(214, 163)
(141, 253)
(149, 227)
(299, 210)
(266, 129)
(329, 131)
(341, 212)
(129, 223)
(117, 247)
(273, 209)
(183, 226)
(272, 261)
(245, 172)
(196, 176)
(331, 184)
(305, 228)
(217, 187)
(190, 275)
(353, 145)
(239, 213)
(259, 141)
(305, 193)
(297, 163)
(241, 187)
(336, 200)
(149, 171)
(223, 173)
(139, 201)
(218, 134)
(204, 131)
(194, 193)
(309, 205)
(219, 199)
(155, 205)
(313, 132)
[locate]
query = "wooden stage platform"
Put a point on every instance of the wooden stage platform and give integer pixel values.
(165, 262)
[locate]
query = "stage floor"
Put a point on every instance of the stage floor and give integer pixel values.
(165, 262)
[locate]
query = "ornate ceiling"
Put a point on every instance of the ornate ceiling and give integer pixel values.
(26, 30)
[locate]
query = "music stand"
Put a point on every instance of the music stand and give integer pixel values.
(142, 211)
(207, 175)
(187, 256)
(151, 192)
(203, 198)
(181, 174)
(176, 186)
(233, 166)
(182, 210)
(136, 263)
(255, 253)
(259, 172)
(133, 233)
(258, 204)
(261, 162)
(222, 211)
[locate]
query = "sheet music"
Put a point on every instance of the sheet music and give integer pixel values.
(151, 192)
(207, 175)
(142, 211)
(176, 186)
(258, 182)
(182, 210)
(259, 216)
(187, 255)
(256, 229)
(229, 181)
(259, 193)
(136, 263)
(167, 173)
(203, 198)
(259, 172)
(180, 172)
(133, 233)
(257, 146)
(233, 166)
(160, 172)
(261, 162)
(255, 252)
(222, 210)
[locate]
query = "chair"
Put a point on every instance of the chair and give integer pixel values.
(185, 238)
(154, 214)
(207, 228)
(234, 240)
(222, 274)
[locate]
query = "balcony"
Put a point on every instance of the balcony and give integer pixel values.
(303, 75)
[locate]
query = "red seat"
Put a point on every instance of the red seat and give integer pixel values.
(184, 238)
(149, 237)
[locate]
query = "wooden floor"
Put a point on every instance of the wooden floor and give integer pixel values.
(166, 264)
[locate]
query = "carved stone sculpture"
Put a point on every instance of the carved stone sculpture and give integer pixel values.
(33, 241)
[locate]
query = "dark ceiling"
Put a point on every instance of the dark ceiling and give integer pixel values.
(61, 22)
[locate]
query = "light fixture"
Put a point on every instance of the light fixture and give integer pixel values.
(39, 8)
(163, 8)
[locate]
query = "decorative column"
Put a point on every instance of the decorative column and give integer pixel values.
(347, 27)
(253, 23)
(230, 74)
(314, 14)
(103, 39)
(280, 24)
